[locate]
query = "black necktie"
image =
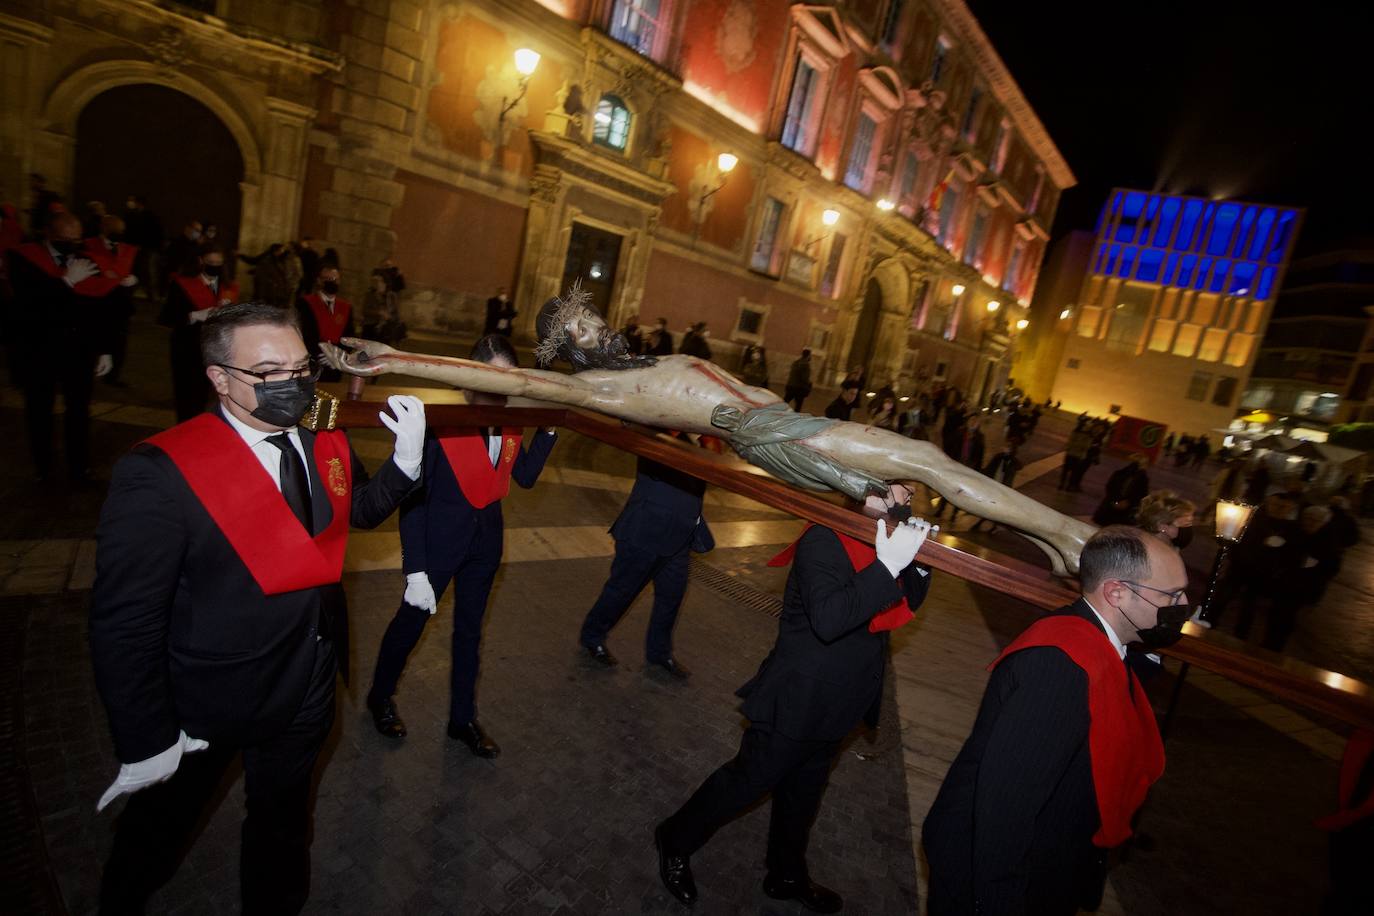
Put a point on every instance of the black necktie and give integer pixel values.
(114, 248)
(294, 485)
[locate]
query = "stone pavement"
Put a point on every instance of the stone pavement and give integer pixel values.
(561, 822)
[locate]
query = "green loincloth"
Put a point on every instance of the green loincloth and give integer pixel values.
(771, 438)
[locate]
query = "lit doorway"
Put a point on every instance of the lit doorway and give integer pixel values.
(593, 255)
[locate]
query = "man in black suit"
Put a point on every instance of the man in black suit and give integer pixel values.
(453, 531)
(500, 315)
(66, 341)
(1065, 745)
(217, 615)
(659, 526)
(824, 675)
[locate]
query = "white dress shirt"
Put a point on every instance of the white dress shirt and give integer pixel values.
(269, 454)
(1111, 634)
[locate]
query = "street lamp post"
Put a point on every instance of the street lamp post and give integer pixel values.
(725, 164)
(1232, 517)
(526, 61)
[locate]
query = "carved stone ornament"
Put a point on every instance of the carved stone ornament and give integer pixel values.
(735, 35)
(169, 48)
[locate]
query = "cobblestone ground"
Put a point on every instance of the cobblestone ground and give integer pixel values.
(592, 759)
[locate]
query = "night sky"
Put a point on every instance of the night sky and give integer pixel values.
(1245, 101)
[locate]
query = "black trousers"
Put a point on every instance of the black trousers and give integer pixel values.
(1066, 471)
(795, 396)
(472, 574)
(68, 366)
(274, 857)
(190, 385)
(631, 570)
(795, 772)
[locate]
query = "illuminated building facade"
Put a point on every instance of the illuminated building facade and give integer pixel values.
(1316, 363)
(415, 130)
(1174, 297)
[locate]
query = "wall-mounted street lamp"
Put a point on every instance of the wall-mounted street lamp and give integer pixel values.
(829, 217)
(957, 289)
(526, 62)
(993, 305)
(1022, 324)
(1064, 314)
(885, 205)
(725, 164)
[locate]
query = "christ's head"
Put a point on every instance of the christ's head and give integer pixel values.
(571, 328)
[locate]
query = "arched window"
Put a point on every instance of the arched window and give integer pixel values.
(611, 123)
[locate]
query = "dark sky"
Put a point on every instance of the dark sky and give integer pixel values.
(1252, 102)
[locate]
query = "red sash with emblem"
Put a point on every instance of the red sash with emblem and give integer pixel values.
(1123, 737)
(248, 508)
(467, 455)
(860, 556)
(1359, 752)
(202, 296)
(331, 324)
(113, 267)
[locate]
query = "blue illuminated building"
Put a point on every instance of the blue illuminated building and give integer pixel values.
(1193, 243)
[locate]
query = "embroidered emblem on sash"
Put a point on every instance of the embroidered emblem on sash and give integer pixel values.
(337, 481)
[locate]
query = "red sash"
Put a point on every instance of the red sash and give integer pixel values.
(331, 324)
(1358, 752)
(860, 557)
(37, 254)
(248, 508)
(202, 296)
(467, 455)
(113, 268)
(1123, 737)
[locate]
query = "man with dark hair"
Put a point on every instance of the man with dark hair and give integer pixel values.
(798, 385)
(659, 526)
(660, 341)
(191, 299)
(452, 531)
(63, 338)
(1065, 745)
(217, 618)
(824, 676)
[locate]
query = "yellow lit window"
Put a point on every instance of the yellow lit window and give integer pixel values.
(1186, 342)
(1163, 335)
(1212, 342)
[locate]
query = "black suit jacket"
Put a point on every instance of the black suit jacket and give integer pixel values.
(663, 513)
(1011, 829)
(182, 636)
(49, 313)
(437, 521)
(825, 672)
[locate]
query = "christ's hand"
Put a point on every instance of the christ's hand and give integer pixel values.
(368, 357)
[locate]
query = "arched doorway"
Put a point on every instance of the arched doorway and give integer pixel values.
(865, 329)
(155, 141)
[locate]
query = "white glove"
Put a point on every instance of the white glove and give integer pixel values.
(897, 552)
(419, 593)
(409, 427)
(130, 280)
(79, 269)
(141, 775)
(103, 364)
(198, 315)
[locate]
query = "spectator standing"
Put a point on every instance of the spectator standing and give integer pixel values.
(694, 341)
(1168, 515)
(842, 408)
(1075, 456)
(270, 281)
(1126, 487)
(143, 229)
(114, 287)
(634, 337)
(798, 386)
(754, 370)
(183, 252)
(500, 314)
(1311, 562)
(952, 433)
(1258, 559)
(885, 414)
(381, 314)
(660, 342)
(1257, 484)
(310, 266)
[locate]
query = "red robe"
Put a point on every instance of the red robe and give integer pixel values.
(113, 267)
(861, 556)
(202, 296)
(331, 325)
(1124, 745)
(252, 513)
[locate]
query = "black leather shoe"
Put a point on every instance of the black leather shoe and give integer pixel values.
(388, 721)
(673, 667)
(478, 741)
(808, 893)
(675, 872)
(601, 656)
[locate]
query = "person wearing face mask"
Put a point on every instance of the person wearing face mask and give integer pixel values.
(325, 315)
(824, 676)
(1168, 515)
(183, 252)
(1065, 745)
(191, 299)
(113, 286)
(451, 532)
(65, 341)
(218, 621)
(500, 314)
(271, 281)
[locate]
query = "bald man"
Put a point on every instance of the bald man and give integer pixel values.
(65, 338)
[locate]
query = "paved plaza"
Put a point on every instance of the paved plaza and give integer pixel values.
(592, 759)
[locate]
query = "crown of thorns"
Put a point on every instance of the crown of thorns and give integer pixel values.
(555, 316)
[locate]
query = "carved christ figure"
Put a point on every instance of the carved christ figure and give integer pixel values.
(689, 394)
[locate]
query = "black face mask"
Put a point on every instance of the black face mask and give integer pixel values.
(329, 287)
(898, 514)
(1167, 630)
(1184, 537)
(283, 403)
(211, 270)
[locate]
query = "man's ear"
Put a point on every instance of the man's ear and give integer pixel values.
(219, 379)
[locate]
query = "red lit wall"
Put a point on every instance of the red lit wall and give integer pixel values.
(450, 238)
(731, 50)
